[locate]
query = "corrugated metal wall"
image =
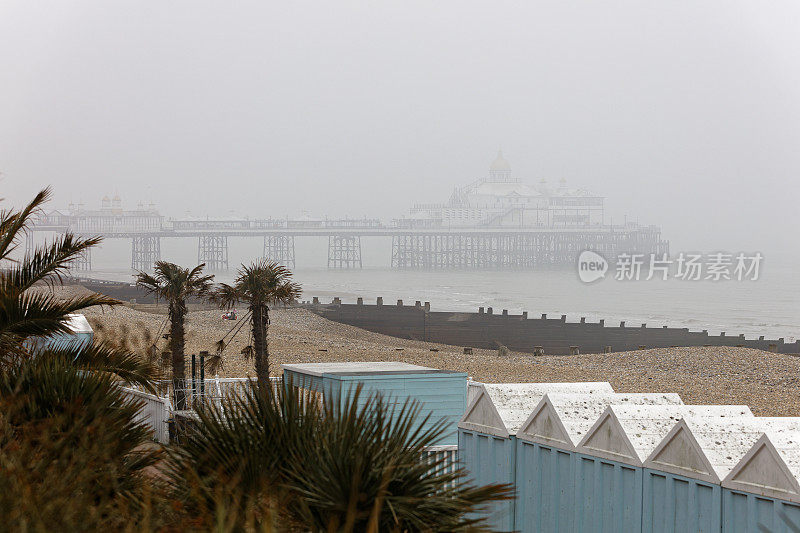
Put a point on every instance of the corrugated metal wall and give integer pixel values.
(676, 504)
(545, 488)
(743, 512)
(608, 496)
(490, 459)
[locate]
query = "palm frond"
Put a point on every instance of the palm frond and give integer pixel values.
(104, 358)
(49, 263)
(215, 363)
(12, 224)
(225, 296)
(349, 461)
(41, 313)
(248, 352)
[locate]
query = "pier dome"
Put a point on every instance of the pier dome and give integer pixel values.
(500, 163)
(500, 169)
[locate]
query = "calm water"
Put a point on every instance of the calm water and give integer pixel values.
(769, 306)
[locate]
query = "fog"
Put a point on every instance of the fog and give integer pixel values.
(682, 114)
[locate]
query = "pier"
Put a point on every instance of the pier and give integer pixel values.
(416, 247)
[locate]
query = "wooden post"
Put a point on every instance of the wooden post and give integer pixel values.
(203, 375)
(194, 377)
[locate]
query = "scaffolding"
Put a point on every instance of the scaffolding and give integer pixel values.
(212, 250)
(344, 251)
(280, 249)
(145, 251)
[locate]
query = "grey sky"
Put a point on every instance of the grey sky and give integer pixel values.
(683, 114)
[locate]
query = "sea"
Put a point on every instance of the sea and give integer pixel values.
(768, 306)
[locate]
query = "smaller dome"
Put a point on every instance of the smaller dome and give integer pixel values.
(500, 163)
(106, 199)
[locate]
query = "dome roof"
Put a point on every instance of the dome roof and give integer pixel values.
(500, 163)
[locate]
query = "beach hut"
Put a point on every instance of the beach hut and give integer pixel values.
(558, 489)
(628, 434)
(441, 393)
(705, 451)
(80, 334)
(762, 492)
(486, 434)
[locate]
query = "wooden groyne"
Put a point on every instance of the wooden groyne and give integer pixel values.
(543, 334)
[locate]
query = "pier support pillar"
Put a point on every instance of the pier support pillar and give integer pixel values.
(83, 262)
(213, 251)
(280, 249)
(30, 243)
(344, 251)
(145, 251)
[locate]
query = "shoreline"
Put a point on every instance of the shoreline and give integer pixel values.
(769, 383)
(739, 310)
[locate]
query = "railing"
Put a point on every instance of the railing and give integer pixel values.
(154, 413)
(448, 454)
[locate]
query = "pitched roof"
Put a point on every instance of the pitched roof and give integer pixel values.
(563, 419)
(771, 467)
(501, 408)
(630, 433)
(709, 448)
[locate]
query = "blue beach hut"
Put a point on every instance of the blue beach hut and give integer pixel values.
(762, 492)
(556, 486)
(441, 393)
(703, 451)
(487, 432)
(80, 334)
(628, 434)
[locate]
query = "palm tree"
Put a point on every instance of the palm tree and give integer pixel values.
(260, 285)
(348, 463)
(176, 284)
(74, 454)
(28, 312)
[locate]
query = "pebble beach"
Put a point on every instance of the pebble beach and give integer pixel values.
(767, 382)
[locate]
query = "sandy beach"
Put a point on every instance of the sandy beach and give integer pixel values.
(767, 382)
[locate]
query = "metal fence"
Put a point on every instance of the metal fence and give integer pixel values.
(211, 390)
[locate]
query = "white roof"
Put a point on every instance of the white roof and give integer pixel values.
(772, 465)
(630, 433)
(77, 323)
(563, 419)
(709, 448)
(377, 367)
(500, 409)
(498, 188)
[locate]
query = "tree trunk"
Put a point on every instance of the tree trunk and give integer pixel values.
(177, 317)
(260, 318)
